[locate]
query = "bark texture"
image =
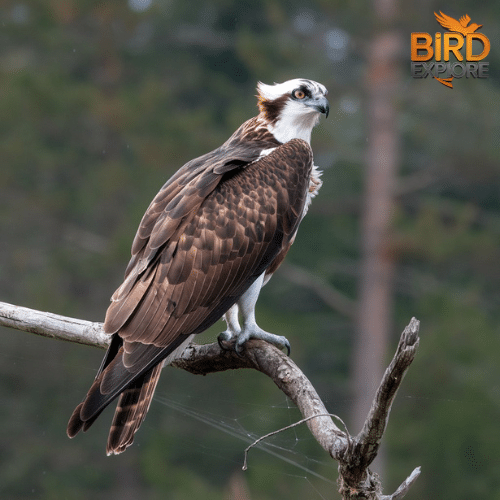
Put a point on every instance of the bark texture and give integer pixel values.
(354, 454)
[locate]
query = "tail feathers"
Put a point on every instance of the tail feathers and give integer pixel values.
(78, 420)
(76, 424)
(131, 410)
(135, 382)
(96, 400)
(132, 407)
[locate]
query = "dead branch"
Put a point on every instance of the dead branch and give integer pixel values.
(353, 453)
(53, 325)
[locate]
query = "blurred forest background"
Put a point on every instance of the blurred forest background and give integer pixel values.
(102, 101)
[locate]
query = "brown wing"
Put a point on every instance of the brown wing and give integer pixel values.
(208, 256)
(185, 191)
(193, 260)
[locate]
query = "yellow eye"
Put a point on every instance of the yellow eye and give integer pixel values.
(299, 94)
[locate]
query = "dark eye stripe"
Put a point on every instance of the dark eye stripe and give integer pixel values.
(317, 87)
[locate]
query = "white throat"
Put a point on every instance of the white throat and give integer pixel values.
(295, 122)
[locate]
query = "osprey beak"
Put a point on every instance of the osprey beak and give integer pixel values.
(321, 105)
(324, 106)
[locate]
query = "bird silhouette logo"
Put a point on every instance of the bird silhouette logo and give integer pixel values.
(459, 26)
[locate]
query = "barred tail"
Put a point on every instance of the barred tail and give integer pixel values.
(131, 410)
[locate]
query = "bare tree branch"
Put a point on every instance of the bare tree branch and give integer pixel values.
(375, 424)
(404, 488)
(53, 326)
(354, 466)
(354, 454)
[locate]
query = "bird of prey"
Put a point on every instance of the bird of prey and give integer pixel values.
(459, 26)
(210, 239)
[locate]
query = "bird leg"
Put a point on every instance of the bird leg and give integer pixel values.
(233, 325)
(246, 307)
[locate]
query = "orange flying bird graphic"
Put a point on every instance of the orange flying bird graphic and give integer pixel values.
(459, 26)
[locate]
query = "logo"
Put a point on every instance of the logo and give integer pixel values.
(462, 43)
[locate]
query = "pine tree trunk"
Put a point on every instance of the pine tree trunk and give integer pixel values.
(377, 265)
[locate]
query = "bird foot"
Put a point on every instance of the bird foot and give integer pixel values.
(255, 332)
(226, 337)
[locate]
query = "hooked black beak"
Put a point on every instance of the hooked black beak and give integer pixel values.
(326, 109)
(322, 105)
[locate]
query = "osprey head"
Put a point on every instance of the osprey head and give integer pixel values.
(291, 109)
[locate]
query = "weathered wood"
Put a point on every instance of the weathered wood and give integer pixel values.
(353, 453)
(353, 467)
(53, 325)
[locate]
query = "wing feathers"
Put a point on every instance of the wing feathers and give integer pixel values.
(126, 300)
(205, 238)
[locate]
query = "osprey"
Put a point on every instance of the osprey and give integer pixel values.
(210, 239)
